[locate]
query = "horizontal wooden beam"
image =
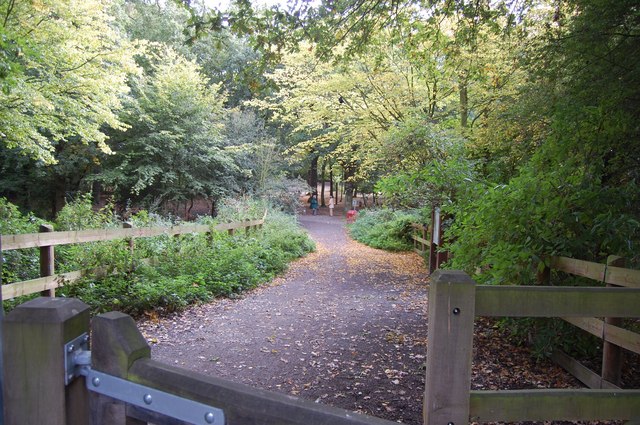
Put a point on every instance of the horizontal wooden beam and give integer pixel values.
(28, 287)
(577, 267)
(243, 404)
(599, 272)
(542, 405)
(419, 239)
(616, 335)
(34, 240)
(581, 372)
(623, 277)
(556, 301)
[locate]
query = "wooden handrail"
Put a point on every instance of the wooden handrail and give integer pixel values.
(34, 240)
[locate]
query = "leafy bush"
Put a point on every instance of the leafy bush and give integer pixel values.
(384, 228)
(194, 267)
(197, 267)
(19, 264)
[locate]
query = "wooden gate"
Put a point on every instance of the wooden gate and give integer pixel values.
(41, 341)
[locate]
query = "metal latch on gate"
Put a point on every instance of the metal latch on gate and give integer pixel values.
(77, 360)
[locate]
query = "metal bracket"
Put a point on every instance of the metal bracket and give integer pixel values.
(77, 360)
(151, 399)
(76, 354)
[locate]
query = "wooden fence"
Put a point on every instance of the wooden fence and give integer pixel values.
(454, 302)
(47, 239)
(615, 338)
(426, 247)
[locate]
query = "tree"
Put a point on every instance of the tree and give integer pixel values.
(65, 70)
(174, 150)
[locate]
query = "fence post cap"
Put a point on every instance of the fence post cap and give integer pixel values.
(451, 276)
(117, 343)
(47, 309)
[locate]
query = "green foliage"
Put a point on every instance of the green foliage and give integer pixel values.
(545, 335)
(195, 268)
(173, 150)
(438, 183)
(65, 76)
(384, 228)
(19, 264)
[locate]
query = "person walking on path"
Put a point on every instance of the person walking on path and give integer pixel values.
(332, 205)
(313, 202)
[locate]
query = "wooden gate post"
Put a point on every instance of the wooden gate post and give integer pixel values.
(116, 344)
(449, 348)
(34, 371)
(47, 261)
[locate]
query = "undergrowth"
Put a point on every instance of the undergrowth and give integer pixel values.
(384, 228)
(166, 273)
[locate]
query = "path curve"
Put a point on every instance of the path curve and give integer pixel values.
(344, 326)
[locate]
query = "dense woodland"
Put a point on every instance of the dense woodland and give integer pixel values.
(519, 118)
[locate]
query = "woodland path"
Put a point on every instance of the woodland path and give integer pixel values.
(344, 326)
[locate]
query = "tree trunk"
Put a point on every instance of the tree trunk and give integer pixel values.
(96, 193)
(59, 190)
(331, 183)
(323, 175)
(214, 209)
(348, 196)
(312, 178)
(464, 100)
(189, 210)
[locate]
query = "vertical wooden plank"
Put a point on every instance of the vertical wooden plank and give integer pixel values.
(611, 353)
(449, 348)
(432, 245)
(33, 348)
(116, 344)
(231, 231)
(47, 260)
(130, 242)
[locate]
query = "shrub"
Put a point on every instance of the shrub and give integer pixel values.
(19, 264)
(384, 228)
(197, 267)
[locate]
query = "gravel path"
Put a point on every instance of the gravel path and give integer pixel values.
(345, 326)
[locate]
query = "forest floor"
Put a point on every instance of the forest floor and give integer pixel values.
(344, 326)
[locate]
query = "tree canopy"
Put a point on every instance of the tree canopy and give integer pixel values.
(518, 118)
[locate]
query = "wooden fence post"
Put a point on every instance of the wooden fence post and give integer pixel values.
(130, 242)
(449, 348)
(231, 231)
(611, 353)
(34, 371)
(116, 344)
(423, 246)
(47, 261)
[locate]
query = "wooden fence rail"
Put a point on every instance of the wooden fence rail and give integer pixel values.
(47, 239)
(609, 329)
(454, 302)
